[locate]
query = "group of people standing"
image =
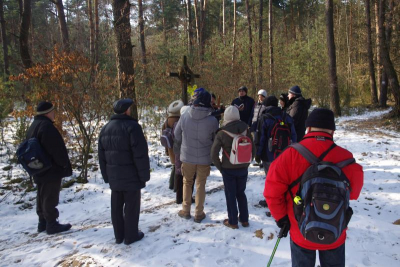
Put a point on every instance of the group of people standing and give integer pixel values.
(197, 142)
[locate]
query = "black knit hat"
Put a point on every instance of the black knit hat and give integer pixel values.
(203, 100)
(270, 101)
(44, 108)
(295, 90)
(120, 106)
(244, 88)
(321, 118)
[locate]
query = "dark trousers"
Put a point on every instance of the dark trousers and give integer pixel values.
(125, 210)
(179, 187)
(48, 195)
(235, 185)
(302, 257)
(266, 165)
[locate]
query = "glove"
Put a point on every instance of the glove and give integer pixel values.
(284, 224)
(257, 159)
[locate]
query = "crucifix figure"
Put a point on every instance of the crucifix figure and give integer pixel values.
(186, 76)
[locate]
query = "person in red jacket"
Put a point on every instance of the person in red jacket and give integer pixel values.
(290, 165)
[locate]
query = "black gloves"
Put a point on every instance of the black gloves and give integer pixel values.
(257, 159)
(284, 224)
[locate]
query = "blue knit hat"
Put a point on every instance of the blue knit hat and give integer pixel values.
(203, 100)
(295, 90)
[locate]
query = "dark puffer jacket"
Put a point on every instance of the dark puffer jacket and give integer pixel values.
(224, 141)
(298, 110)
(52, 142)
(246, 112)
(123, 154)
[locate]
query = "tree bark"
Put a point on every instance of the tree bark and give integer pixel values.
(378, 55)
(223, 22)
(24, 34)
(142, 41)
(203, 7)
(189, 27)
(334, 91)
(196, 14)
(5, 41)
(162, 3)
(271, 48)
(250, 46)
(374, 93)
(386, 61)
(260, 45)
(234, 36)
(96, 31)
(62, 24)
(92, 31)
(122, 29)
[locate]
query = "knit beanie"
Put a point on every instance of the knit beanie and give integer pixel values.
(262, 92)
(198, 91)
(321, 118)
(120, 106)
(175, 108)
(295, 90)
(271, 101)
(44, 107)
(203, 100)
(244, 88)
(231, 114)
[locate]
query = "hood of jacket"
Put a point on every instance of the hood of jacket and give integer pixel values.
(274, 111)
(235, 127)
(199, 113)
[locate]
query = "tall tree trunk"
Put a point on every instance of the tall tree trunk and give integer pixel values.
(203, 7)
(234, 36)
(271, 48)
(386, 61)
(24, 34)
(142, 42)
(334, 91)
(96, 31)
(374, 93)
(122, 29)
(162, 3)
(189, 27)
(223, 22)
(260, 45)
(5, 41)
(92, 33)
(62, 24)
(196, 14)
(250, 47)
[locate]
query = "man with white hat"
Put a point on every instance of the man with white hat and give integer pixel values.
(258, 109)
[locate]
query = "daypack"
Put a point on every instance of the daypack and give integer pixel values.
(32, 156)
(242, 148)
(280, 137)
(322, 202)
(167, 136)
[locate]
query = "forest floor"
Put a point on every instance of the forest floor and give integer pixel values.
(373, 239)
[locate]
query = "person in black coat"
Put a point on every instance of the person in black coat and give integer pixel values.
(49, 182)
(298, 109)
(124, 164)
(245, 105)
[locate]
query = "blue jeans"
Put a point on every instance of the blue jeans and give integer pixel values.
(235, 185)
(302, 257)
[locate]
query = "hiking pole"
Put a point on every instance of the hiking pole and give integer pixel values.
(280, 235)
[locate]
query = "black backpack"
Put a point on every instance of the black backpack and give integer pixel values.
(322, 202)
(280, 135)
(32, 156)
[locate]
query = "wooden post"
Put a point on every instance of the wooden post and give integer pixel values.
(186, 76)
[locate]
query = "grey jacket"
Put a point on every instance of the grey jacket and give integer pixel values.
(195, 131)
(224, 141)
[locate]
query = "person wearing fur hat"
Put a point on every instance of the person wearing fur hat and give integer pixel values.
(125, 165)
(234, 176)
(49, 182)
(298, 108)
(174, 110)
(195, 131)
(291, 165)
(245, 105)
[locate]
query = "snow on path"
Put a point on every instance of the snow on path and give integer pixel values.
(373, 239)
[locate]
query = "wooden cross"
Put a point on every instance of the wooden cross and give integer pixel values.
(186, 76)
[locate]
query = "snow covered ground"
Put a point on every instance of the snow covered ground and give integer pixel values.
(373, 239)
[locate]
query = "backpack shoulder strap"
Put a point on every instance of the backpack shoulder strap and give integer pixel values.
(323, 155)
(230, 134)
(307, 154)
(346, 162)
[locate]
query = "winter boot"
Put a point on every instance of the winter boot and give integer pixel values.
(171, 178)
(55, 227)
(227, 224)
(140, 237)
(41, 225)
(263, 203)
